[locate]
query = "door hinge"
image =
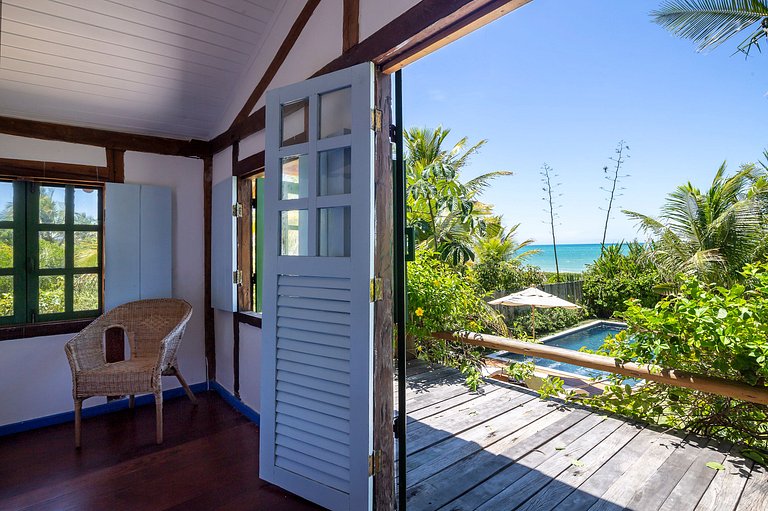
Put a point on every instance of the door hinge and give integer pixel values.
(374, 463)
(392, 133)
(376, 120)
(237, 210)
(377, 289)
(237, 277)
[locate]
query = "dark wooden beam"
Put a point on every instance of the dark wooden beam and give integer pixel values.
(116, 164)
(277, 61)
(236, 355)
(252, 124)
(31, 169)
(210, 332)
(102, 138)
(351, 24)
(249, 166)
(383, 365)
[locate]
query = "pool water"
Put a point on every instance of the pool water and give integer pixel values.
(591, 338)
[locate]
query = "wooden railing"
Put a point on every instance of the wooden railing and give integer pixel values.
(719, 386)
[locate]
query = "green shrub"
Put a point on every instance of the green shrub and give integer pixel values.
(546, 321)
(616, 277)
(507, 276)
(703, 329)
(440, 298)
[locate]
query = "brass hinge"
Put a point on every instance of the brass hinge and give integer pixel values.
(237, 210)
(377, 289)
(237, 277)
(374, 463)
(376, 120)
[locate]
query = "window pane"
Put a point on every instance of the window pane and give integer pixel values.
(335, 169)
(86, 206)
(86, 292)
(333, 232)
(293, 177)
(6, 248)
(86, 249)
(6, 201)
(336, 113)
(51, 297)
(295, 117)
(6, 295)
(293, 232)
(52, 205)
(51, 249)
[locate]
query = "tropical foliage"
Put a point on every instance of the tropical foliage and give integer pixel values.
(500, 264)
(441, 298)
(445, 212)
(621, 272)
(710, 234)
(709, 23)
(705, 329)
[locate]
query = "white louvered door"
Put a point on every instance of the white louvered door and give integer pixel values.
(317, 362)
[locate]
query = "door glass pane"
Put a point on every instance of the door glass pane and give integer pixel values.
(86, 249)
(6, 295)
(295, 122)
(51, 249)
(6, 201)
(333, 231)
(51, 293)
(52, 205)
(86, 292)
(294, 172)
(86, 206)
(335, 169)
(336, 113)
(293, 232)
(6, 248)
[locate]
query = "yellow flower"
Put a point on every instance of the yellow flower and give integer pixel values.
(419, 312)
(436, 282)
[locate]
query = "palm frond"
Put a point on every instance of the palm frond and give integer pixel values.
(709, 23)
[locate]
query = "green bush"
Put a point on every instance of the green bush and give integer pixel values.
(703, 329)
(440, 298)
(507, 276)
(616, 277)
(546, 321)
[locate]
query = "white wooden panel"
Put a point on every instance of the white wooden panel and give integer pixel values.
(223, 245)
(156, 242)
(122, 241)
(316, 417)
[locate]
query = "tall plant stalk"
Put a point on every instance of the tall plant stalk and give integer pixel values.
(614, 177)
(547, 175)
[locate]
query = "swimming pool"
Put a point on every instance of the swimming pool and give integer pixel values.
(590, 336)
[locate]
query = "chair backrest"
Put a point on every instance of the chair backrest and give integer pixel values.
(150, 321)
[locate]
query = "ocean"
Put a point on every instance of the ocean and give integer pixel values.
(571, 258)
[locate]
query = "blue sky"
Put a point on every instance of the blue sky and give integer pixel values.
(563, 86)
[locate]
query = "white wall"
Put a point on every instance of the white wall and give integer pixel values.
(35, 380)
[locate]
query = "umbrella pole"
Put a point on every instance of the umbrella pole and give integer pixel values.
(533, 321)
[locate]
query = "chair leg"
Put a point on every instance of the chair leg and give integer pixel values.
(78, 421)
(131, 401)
(183, 383)
(159, 415)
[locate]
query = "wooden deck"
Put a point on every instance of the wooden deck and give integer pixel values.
(504, 448)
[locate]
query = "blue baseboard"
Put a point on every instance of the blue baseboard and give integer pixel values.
(92, 411)
(235, 403)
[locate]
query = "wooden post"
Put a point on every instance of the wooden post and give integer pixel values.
(383, 372)
(210, 332)
(351, 24)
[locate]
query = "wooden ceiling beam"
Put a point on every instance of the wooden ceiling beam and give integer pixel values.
(102, 138)
(351, 25)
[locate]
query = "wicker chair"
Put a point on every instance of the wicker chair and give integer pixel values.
(154, 329)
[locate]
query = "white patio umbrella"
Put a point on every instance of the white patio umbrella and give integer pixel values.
(533, 297)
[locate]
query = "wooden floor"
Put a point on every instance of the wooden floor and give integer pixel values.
(209, 461)
(502, 448)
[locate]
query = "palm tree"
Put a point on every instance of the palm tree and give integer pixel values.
(709, 23)
(446, 213)
(504, 246)
(710, 234)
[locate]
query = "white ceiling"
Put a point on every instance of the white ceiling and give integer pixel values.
(156, 67)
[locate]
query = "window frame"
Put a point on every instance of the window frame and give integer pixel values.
(249, 241)
(26, 271)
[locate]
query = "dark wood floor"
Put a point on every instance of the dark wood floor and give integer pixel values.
(504, 448)
(209, 461)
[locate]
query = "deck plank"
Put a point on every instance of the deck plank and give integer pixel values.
(725, 489)
(695, 481)
(448, 403)
(755, 494)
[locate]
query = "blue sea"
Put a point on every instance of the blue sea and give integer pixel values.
(572, 258)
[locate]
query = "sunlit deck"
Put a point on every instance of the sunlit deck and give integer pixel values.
(504, 448)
